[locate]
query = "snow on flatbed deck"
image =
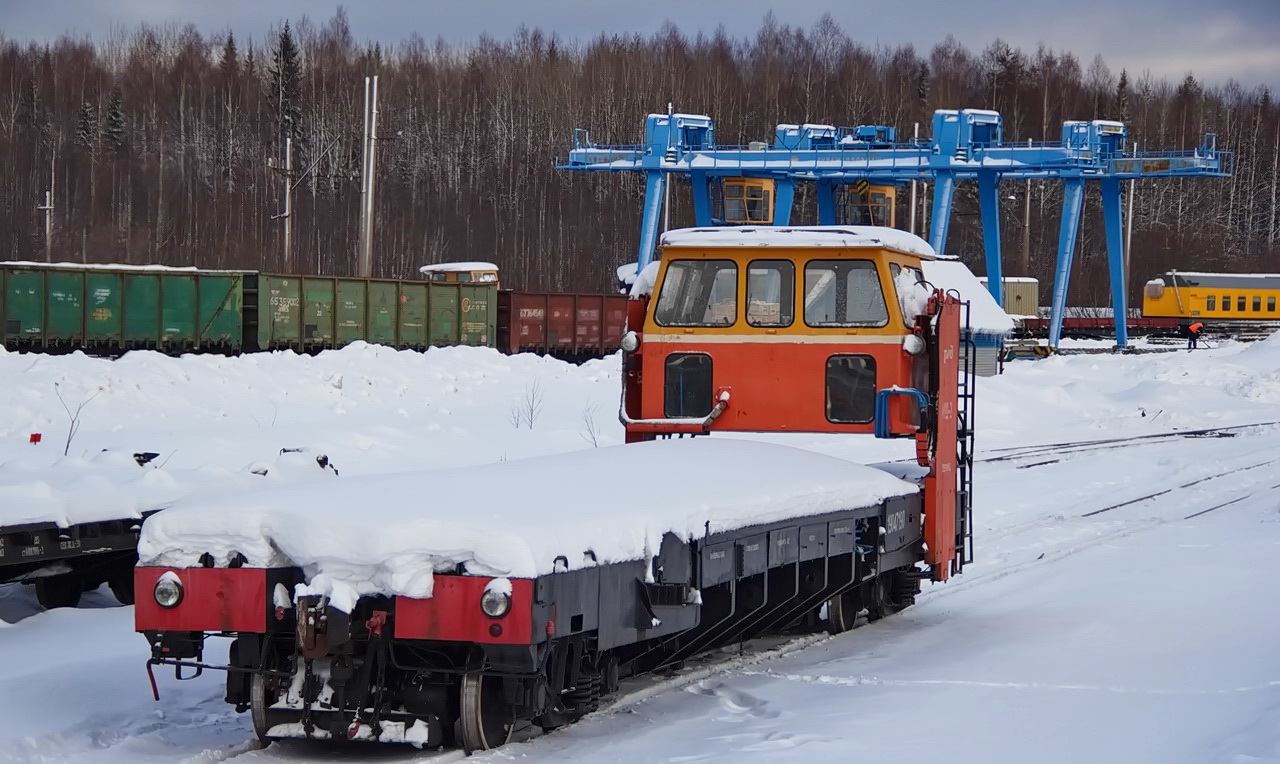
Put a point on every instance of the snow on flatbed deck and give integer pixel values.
(389, 534)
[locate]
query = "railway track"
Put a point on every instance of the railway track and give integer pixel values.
(1013, 453)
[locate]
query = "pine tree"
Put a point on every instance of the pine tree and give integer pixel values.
(1122, 98)
(87, 127)
(114, 132)
(229, 64)
(250, 63)
(286, 91)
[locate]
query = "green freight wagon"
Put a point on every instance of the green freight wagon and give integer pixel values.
(113, 308)
(315, 312)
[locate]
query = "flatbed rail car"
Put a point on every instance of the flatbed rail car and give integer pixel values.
(545, 642)
(63, 562)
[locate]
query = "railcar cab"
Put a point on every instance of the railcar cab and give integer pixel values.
(808, 329)
(465, 273)
(778, 330)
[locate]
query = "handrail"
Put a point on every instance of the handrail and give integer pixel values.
(882, 429)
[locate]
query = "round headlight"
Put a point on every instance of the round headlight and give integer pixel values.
(630, 342)
(168, 591)
(495, 603)
(913, 344)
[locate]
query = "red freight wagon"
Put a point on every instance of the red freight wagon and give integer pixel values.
(569, 326)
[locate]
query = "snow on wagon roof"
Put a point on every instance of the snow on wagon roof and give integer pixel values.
(457, 267)
(387, 534)
(799, 236)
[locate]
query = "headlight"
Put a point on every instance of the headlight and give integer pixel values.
(496, 600)
(168, 591)
(630, 342)
(913, 344)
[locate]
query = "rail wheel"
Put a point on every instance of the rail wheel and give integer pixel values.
(842, 611)
(261, 697)
(486, 719)
(121, 585)
(59, 591)
(890, 593)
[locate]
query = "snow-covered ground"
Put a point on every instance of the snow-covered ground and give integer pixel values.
(1143, 633)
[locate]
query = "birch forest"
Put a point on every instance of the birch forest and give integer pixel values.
(157, 145)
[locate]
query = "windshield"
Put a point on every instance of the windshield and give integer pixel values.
(698, 293)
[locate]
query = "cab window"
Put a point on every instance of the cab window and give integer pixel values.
(851, 389)
(771, 293)
(698, 293)
(843, 293)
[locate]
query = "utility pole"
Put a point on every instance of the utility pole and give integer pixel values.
(1128, 225)
(287, 215)
(364, 180)
(912, 227)
(48, 216)
(666, 187)
(288, 205)
(365, 259)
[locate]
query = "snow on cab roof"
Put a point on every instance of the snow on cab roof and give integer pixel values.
(798, 236)
(457, 267)
(388, 534)
(985, 316)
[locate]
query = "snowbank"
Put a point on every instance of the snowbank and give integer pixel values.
(112, 485)
(389, 534)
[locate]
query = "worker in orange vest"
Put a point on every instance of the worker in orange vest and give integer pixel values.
(1193, 333)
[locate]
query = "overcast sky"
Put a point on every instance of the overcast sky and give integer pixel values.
(1214, 40)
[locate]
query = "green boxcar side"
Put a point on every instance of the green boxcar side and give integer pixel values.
(383, 309)
(221, 309)
(350, 322)
(141, 310)
(279, 311)
(317, 312)
(104, 292)
(64, 307)
(444, 314)
(24, 307)
(478, 314)
(177, 311)
(411, 323)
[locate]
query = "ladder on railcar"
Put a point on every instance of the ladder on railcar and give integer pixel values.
(964, 445)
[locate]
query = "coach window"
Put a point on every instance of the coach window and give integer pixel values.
(1257, 305)
(771, 293)
(843, 293)
(1211, 303)
(1226, 302)
(851, 389)
(1271, 305)
(698, 293)
(1240, 303)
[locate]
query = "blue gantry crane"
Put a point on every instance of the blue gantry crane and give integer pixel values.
(967, 144)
